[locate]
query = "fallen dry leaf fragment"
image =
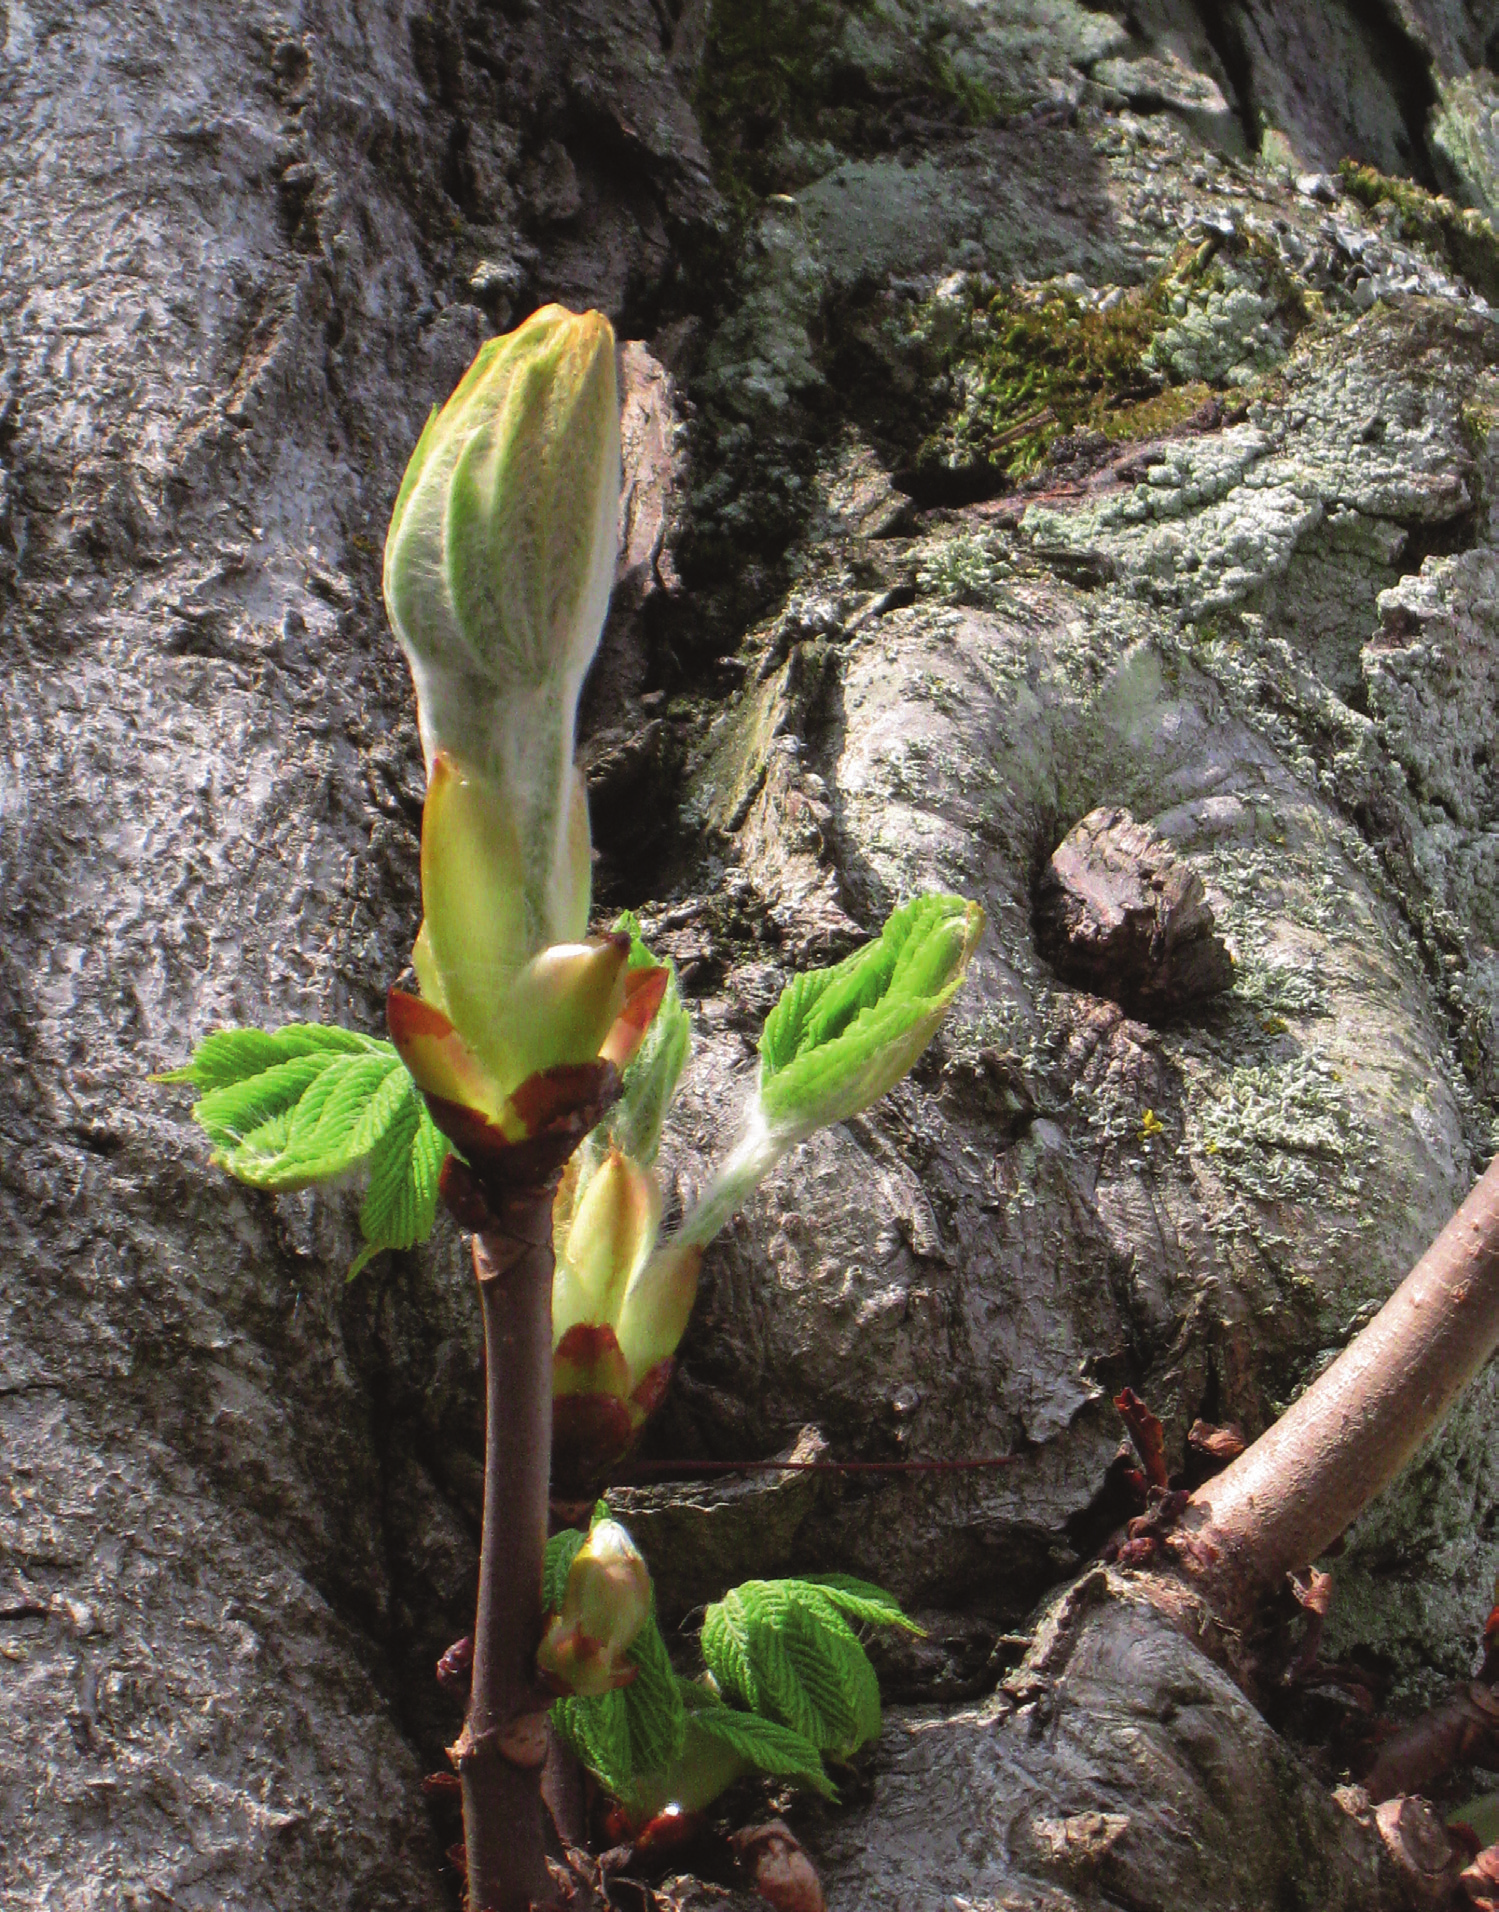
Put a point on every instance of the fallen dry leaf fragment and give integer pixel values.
(1220, 1444)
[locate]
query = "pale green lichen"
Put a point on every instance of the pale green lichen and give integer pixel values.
(965, 570)
(1340, 438)
(1223, 334)
(1286, 1131)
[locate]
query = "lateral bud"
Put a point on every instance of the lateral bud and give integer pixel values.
(606, 1601)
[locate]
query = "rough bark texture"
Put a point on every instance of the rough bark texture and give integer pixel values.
(875, 634)
(1118, 914)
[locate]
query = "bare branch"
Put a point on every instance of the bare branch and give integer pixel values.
(1288, 1497)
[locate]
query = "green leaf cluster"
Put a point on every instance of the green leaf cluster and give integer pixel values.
(788, 1681)
(289, 1107)
(751, 1743)
(785, 1649)
(838, 1038)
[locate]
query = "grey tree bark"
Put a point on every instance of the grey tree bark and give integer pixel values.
(858, 648)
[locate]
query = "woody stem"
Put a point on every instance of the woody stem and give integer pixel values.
(1288, 1497)
(503, 1745)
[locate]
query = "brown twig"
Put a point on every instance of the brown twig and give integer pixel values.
(563, 1791)
(1294, 1491)
(634, 1469)
(1463, 1731)
(503, 1745)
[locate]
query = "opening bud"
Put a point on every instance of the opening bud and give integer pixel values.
(605, 1603)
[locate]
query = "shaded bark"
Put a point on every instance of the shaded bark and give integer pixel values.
(1463, 1731)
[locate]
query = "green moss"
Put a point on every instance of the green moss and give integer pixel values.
(1463, 240)
(976, 105)
(1154, 417)
(1024, 368)
(1478, 421)
(1021, 367)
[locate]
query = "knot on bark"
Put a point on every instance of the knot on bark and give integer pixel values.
(520, 1742)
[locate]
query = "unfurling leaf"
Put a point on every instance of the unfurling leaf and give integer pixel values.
(405, 1168)
(860, 1600)
(721, 1743)
(761, 1743)
(620, 1303)
(498, 567)
(290, 1107)
(650, 1080)
(840, 1037)
(606, 1601)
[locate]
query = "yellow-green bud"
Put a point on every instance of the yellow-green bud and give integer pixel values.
(606, 1601)
(609, 1233)
(498, 566)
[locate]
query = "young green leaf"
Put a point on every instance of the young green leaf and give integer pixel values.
(233, 1055)
(840, 1037)
(658, 1723)
(721, 1745)
(837, 1040)
(289, 1107)
(639, 1728)
(405, 1165)
(759, 1742)
(561, 1549)
(597, 1731)
(650, 1078)
(783, 1649)
(860, 1600)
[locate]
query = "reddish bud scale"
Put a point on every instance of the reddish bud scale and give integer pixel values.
(592, 1432)
(669, 1831)
(456, 1665)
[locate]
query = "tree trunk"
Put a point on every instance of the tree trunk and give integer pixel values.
(1236, 576)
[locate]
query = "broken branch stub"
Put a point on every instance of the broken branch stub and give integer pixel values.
(1285, 1500)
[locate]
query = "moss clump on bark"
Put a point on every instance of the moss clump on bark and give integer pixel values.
(1020, 367)
(786, 87)
(772, 71)
(1024, 367)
